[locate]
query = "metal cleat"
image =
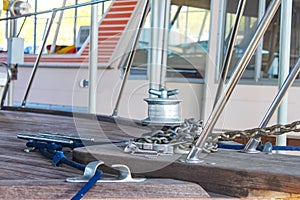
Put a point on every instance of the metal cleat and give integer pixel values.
(90, 170)
(134, 149)
(268, 148)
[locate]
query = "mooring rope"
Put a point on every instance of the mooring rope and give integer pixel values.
(58, 158)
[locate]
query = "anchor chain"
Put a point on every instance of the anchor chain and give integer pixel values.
(182, 137)
(274, 130)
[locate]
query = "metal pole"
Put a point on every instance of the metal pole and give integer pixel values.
(34, 27)
(193, 156)
(284, 61)
(258, 57)
(37, 61)
(130, 57)
(12, 33)
(220, 38)
(75, 23)
(230, 48)
(61, 14)
(155, 57)
(93, 66)
(281, 94)
(165, 38)
(252, 144)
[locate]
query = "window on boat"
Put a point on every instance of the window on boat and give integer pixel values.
(187, 48)
(264, 64)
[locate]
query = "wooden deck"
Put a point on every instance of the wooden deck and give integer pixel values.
(30, 175)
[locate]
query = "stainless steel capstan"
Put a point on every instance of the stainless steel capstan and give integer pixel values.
(163, 110)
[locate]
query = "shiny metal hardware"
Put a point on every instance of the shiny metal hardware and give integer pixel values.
(193, 158)
(251, 146)
(71, 137)
(279, 97)
(53, 137)
(90, 170)
(45, 139)
(163, 110)
(19, 7)
(84, 83)
(268, 148)
(236, 75)
(134, 149)
(153, 148)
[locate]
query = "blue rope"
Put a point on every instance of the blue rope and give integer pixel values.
(58, 157)
(241, 146)
(286, 148)
(88, 185)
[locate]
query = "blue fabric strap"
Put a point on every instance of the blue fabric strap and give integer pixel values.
(88, 185)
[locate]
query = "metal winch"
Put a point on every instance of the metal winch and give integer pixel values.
(163, 110)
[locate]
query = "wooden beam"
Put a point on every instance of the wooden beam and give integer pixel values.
(226, 172)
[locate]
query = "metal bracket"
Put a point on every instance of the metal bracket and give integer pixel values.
(251, 146)
(268, 148)
(90, 170)
(64, 140)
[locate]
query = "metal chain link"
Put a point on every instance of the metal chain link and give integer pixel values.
(188, 133)
(274, 130)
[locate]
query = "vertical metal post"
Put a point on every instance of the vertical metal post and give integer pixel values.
(258, 56)
(221, 33)
(160, 20)
(34, 27)
(165, 21)
(93, 65)
(75, 23)
(37, 61)
(155, 44)
(193, 156)
(12, 33)
(284, 61)
(230, 48)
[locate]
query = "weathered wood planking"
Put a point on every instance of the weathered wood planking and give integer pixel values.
(54, 189)
(226, 172)
(31, 176)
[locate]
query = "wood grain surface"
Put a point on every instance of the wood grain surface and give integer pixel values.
(31, 176)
